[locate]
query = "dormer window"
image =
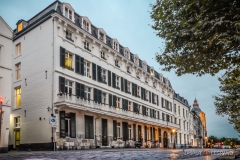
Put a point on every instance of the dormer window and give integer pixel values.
(136, 60)
(151, 71)
(115, 46)
(86, 25)
(101, 36)
(68, 13)
(19, 27)
(126, 54)
(144, 66)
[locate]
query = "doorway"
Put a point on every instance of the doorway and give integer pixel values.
(165, 140)
(17, 138)
(104, 132)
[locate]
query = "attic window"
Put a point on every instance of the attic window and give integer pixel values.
(115, 46)
(101, 36)
(151, 71)
(68, 13)
(86, 25)
(19, 27)
(136, 60)
(126, 54)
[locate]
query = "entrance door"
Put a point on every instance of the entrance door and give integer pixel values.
(17, 138)
(104, 132)
(165, 140)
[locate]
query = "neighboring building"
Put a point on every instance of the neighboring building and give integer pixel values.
(101, 94)
(181, 111)
(5, 82)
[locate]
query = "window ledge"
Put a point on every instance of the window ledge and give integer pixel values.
(17, 81)
(16, 108)
(17, 56)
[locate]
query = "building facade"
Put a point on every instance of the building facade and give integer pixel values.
(5, 82)
(99, 92)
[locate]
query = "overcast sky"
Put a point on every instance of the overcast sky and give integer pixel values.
(129, 21)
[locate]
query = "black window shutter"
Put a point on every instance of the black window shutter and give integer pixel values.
(62, 124)
(150, 112)
(95, 93)
(110, 100)
(77, 89)
(154, 133)
(126, 104)
(145, 133)
(94, 71)
(159, 135)
(144, 110)
(114, 129)
(153, 98)
(170, 106)
(133, 89)
(134, 132)
(126, 90)
(82, 91)
(122, 81)
(109, 78)
(151, 133)
(99, 96)
(150, 96)
(136, 90)
(81, 65)
(77, 64)
(158, 115)
(114, 101)
(123, 104)
(62, 57)
(154, 116)
(162, 102)
(113, 80)
(99, 71)
(61, 84)
(73, 125)
(157, 101)
(125, 131)
(142, 93)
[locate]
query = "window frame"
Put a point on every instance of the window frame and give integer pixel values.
(87, 92)
(18, 71)
(18, 49)
(18, 96)
(69, 60)
(87, 68)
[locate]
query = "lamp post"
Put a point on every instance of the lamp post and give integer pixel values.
(206, 142)
(173, 130)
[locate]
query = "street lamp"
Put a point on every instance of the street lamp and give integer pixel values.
(173, 130)
(206, 141)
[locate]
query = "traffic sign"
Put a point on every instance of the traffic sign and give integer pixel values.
(53, 120)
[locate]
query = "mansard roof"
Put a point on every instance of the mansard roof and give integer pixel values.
(181, 99)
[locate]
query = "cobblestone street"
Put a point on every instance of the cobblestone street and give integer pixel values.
(113, 154)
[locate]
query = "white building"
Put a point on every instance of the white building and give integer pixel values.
(101, 94)
(5, 82)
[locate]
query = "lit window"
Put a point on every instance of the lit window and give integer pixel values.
(18, 97)
(18, 71)
(19, 27)
(17, 121)
(118, 103)
(151, 72)
(103, 98)
(86, 25)
(87, 92)
(68, 87)
(103, 75)
(18, 49)
(87, 68)
(68, 60)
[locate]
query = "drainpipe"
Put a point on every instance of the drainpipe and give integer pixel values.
(52, 138)
(95, 131)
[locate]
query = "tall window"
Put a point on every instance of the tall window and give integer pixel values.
(147, 111)
(68, 87)
(86, 46)
(128, 86)
(18, 97)
(87, 92)
(103, 98)
(86, 68)
(69, 35)
(129, 106)
(18, 49)
(146, 94)
(179, 110)
(175, 109)
(117, 63)
(117, 81)
(103, 75)
(118, 102)
(89, 134)
(154, 84)
(68, 60)
(18, 71)
(128, 69)
(138, 91)
(138, 75)
(118, 130)
(86, 25)
(183, 113)
(17, 121)
(129, 132)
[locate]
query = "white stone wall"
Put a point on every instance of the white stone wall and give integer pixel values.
(5, 80)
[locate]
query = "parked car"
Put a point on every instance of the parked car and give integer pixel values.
(138, 144)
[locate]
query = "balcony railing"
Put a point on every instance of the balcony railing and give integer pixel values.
(90, 105)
